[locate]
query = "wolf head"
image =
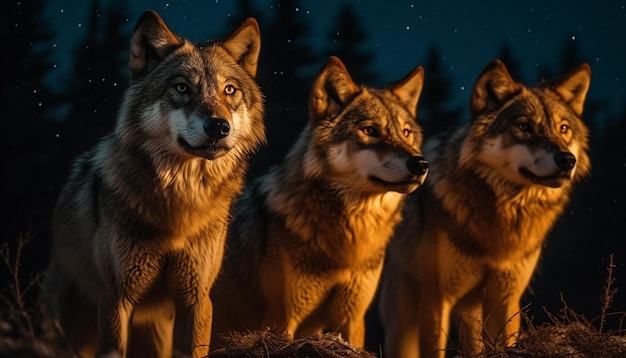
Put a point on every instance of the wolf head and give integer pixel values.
(363, 138)
(529, 135)
(189, 100)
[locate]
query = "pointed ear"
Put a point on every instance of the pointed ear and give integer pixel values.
(332, 90)
(573, 87)
(245, 45)
(409, 89)
(493, 87)
(151, 42)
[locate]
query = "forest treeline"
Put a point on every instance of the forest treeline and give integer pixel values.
(44, 127)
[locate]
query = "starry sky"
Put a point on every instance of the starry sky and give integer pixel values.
(467, 34)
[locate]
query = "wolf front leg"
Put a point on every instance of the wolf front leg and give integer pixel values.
(113, 318)
(501, 309)
(434, 323)
(399, 309)
(348, 315)
(202, 324)
(300, 295)
(152, 329)
(503, 291)
(469, 311)
(351, 301)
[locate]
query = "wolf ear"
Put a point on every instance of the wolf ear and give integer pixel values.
(152, 40)
(245, 45)
(573, 87)
(409, 89)
(332, 90)
(493, 87)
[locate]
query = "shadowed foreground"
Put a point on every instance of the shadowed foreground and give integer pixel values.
(573, 339)
(25, 332)
(269, 344)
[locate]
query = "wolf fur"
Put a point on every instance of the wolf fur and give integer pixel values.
(139, 227)
(308, 238)
(471, 237)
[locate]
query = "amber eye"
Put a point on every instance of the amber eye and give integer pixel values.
(564, 128)
(523, 126)
(229, 90)
(181, 87)
(369, 131)
(406, 131)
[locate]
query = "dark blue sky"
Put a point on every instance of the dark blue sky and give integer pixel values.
(468, 35)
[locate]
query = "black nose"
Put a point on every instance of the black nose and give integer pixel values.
(417, 165)
(216, 128)
(565, 160)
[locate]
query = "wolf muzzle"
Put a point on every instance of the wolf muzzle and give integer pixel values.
(417, 165)
(565, 160)
(216, 128)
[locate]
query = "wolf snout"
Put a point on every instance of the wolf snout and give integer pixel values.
(417, 165)
(565, 160)
(216, 128)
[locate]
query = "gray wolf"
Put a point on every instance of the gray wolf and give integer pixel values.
(471, 237)
(308, 238)
(139, 227)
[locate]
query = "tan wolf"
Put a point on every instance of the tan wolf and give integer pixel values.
(308, 238)
(471, 237)
(140, 225)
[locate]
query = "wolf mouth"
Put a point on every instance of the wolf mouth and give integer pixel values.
(210, 151)
(554, 181)
(393, 184)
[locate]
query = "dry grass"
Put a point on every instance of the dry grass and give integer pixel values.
(274, 345)
(567, 334)
(25, 331)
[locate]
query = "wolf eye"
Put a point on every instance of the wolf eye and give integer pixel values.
(181, 87)
(230, 90)
(564, 128)
(523, 126)
(407, 132)
(370, 131)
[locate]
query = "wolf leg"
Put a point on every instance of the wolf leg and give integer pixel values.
(469, 313)
(503, 291)
(202, 321)
(113, 318)
(287, 310)
(152, 330)
(79, 325)
(399, 314)
(350, 303)
(501, 309)
(354, 331)
(434, 323)
(76, 317)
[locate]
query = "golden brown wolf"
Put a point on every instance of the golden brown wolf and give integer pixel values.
(472, 235)
(139, 228)
(308, 239)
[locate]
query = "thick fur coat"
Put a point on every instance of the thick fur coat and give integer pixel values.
(139, 227)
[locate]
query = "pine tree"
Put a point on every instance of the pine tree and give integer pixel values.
(345, 41)
(511, 63)
(28, 135)
(27, 34)
(570, 58)
(244, 10)
(434, 110)
(100, 75)
(285, 54)
(30, 157)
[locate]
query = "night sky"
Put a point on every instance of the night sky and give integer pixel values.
(468, 35)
